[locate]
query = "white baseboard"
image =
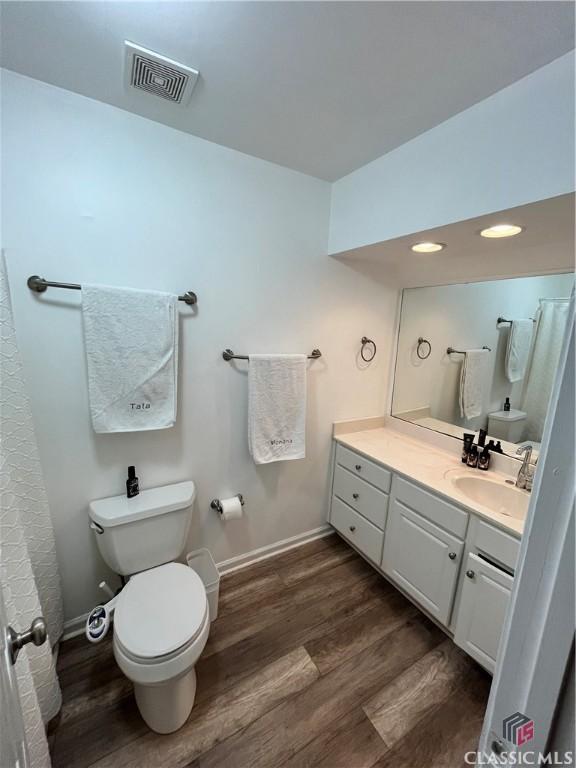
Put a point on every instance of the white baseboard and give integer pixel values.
(75, 627)
(242, 561)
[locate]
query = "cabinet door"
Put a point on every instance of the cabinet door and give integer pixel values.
(485, 594)
(422, 558)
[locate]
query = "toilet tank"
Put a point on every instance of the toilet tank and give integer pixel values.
(507, 425)
(145, 531)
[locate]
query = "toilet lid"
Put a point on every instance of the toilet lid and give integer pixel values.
(511, 415)
(160, 610)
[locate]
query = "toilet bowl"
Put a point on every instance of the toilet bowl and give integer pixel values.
(161, 626)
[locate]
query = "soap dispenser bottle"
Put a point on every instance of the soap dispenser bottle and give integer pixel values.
(132, 487)
(468, 439)
(472, 460)
(484, 459)
(482, 435)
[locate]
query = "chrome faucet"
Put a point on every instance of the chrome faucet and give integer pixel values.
(525, 474)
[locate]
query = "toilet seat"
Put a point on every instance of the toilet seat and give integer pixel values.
(160, 613)
(163, 669)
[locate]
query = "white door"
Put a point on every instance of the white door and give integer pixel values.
(538, 632)
(423, 559)
(485, 596)
(13, 753)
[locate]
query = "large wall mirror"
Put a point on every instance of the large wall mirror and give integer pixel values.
(482, 355)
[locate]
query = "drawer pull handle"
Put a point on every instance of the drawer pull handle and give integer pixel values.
(452, 555)
(352, 528)
(470, 574)
(355, 495)
(358, 467)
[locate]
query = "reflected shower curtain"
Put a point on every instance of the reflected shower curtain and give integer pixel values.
(28, 568)
(552, 318)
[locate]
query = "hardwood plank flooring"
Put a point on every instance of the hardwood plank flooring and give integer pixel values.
(399, 707)
(314, 661)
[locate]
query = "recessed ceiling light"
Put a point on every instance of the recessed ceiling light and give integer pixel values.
(501, 230)
(427, 247)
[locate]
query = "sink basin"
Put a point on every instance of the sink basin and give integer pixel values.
(493, 493)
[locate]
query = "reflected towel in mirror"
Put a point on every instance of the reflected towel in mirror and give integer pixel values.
(473, 382)
(518, 349)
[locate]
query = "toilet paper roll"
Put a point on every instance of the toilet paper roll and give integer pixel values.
(231, 508)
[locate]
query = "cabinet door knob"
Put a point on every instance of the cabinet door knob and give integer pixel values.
(470, 574)
(355, 495)
(352, 528)
(358, 467)
(452, 555)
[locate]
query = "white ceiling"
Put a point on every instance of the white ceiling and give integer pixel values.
(546, 246)
(319, 87)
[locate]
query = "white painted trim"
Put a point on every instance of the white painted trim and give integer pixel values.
(249, 558)
(74, 627)
(393, 358)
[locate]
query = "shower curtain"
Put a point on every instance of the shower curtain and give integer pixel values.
(28, 568)
(552, 318)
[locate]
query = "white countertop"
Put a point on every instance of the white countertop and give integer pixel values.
(426, 464)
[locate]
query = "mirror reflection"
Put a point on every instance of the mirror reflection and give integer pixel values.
(482, 356)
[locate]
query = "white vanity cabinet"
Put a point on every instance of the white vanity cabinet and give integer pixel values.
(454, 564)
(423, 559)
(359, 505)
(423, 546)
(487, 580)
(485, 594)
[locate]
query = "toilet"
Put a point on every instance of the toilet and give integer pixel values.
(507, 425)
(161, 618)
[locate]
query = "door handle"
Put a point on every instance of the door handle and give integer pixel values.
(15, 641)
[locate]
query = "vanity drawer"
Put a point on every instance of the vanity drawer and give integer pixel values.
(365, 536)
(364, 468)
(363, 497)
(428, 505)
(496, 544)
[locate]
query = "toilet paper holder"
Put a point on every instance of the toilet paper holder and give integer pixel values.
(217, 505)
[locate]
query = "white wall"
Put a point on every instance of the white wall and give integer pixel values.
(513, 148)
(463, 317)
(95, 194)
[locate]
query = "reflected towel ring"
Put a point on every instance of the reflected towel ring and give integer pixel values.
(422, 342)
(365, 340)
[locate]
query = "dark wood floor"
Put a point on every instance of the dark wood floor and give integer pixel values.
(314, 660)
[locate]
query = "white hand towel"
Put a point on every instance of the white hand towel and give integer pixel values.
(473, 381)
(277, 407)
(518, 349)
(131, 340)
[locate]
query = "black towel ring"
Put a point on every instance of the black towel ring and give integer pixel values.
(365, 340)
(423, 354)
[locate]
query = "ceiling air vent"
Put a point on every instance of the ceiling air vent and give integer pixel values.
(149, 71)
